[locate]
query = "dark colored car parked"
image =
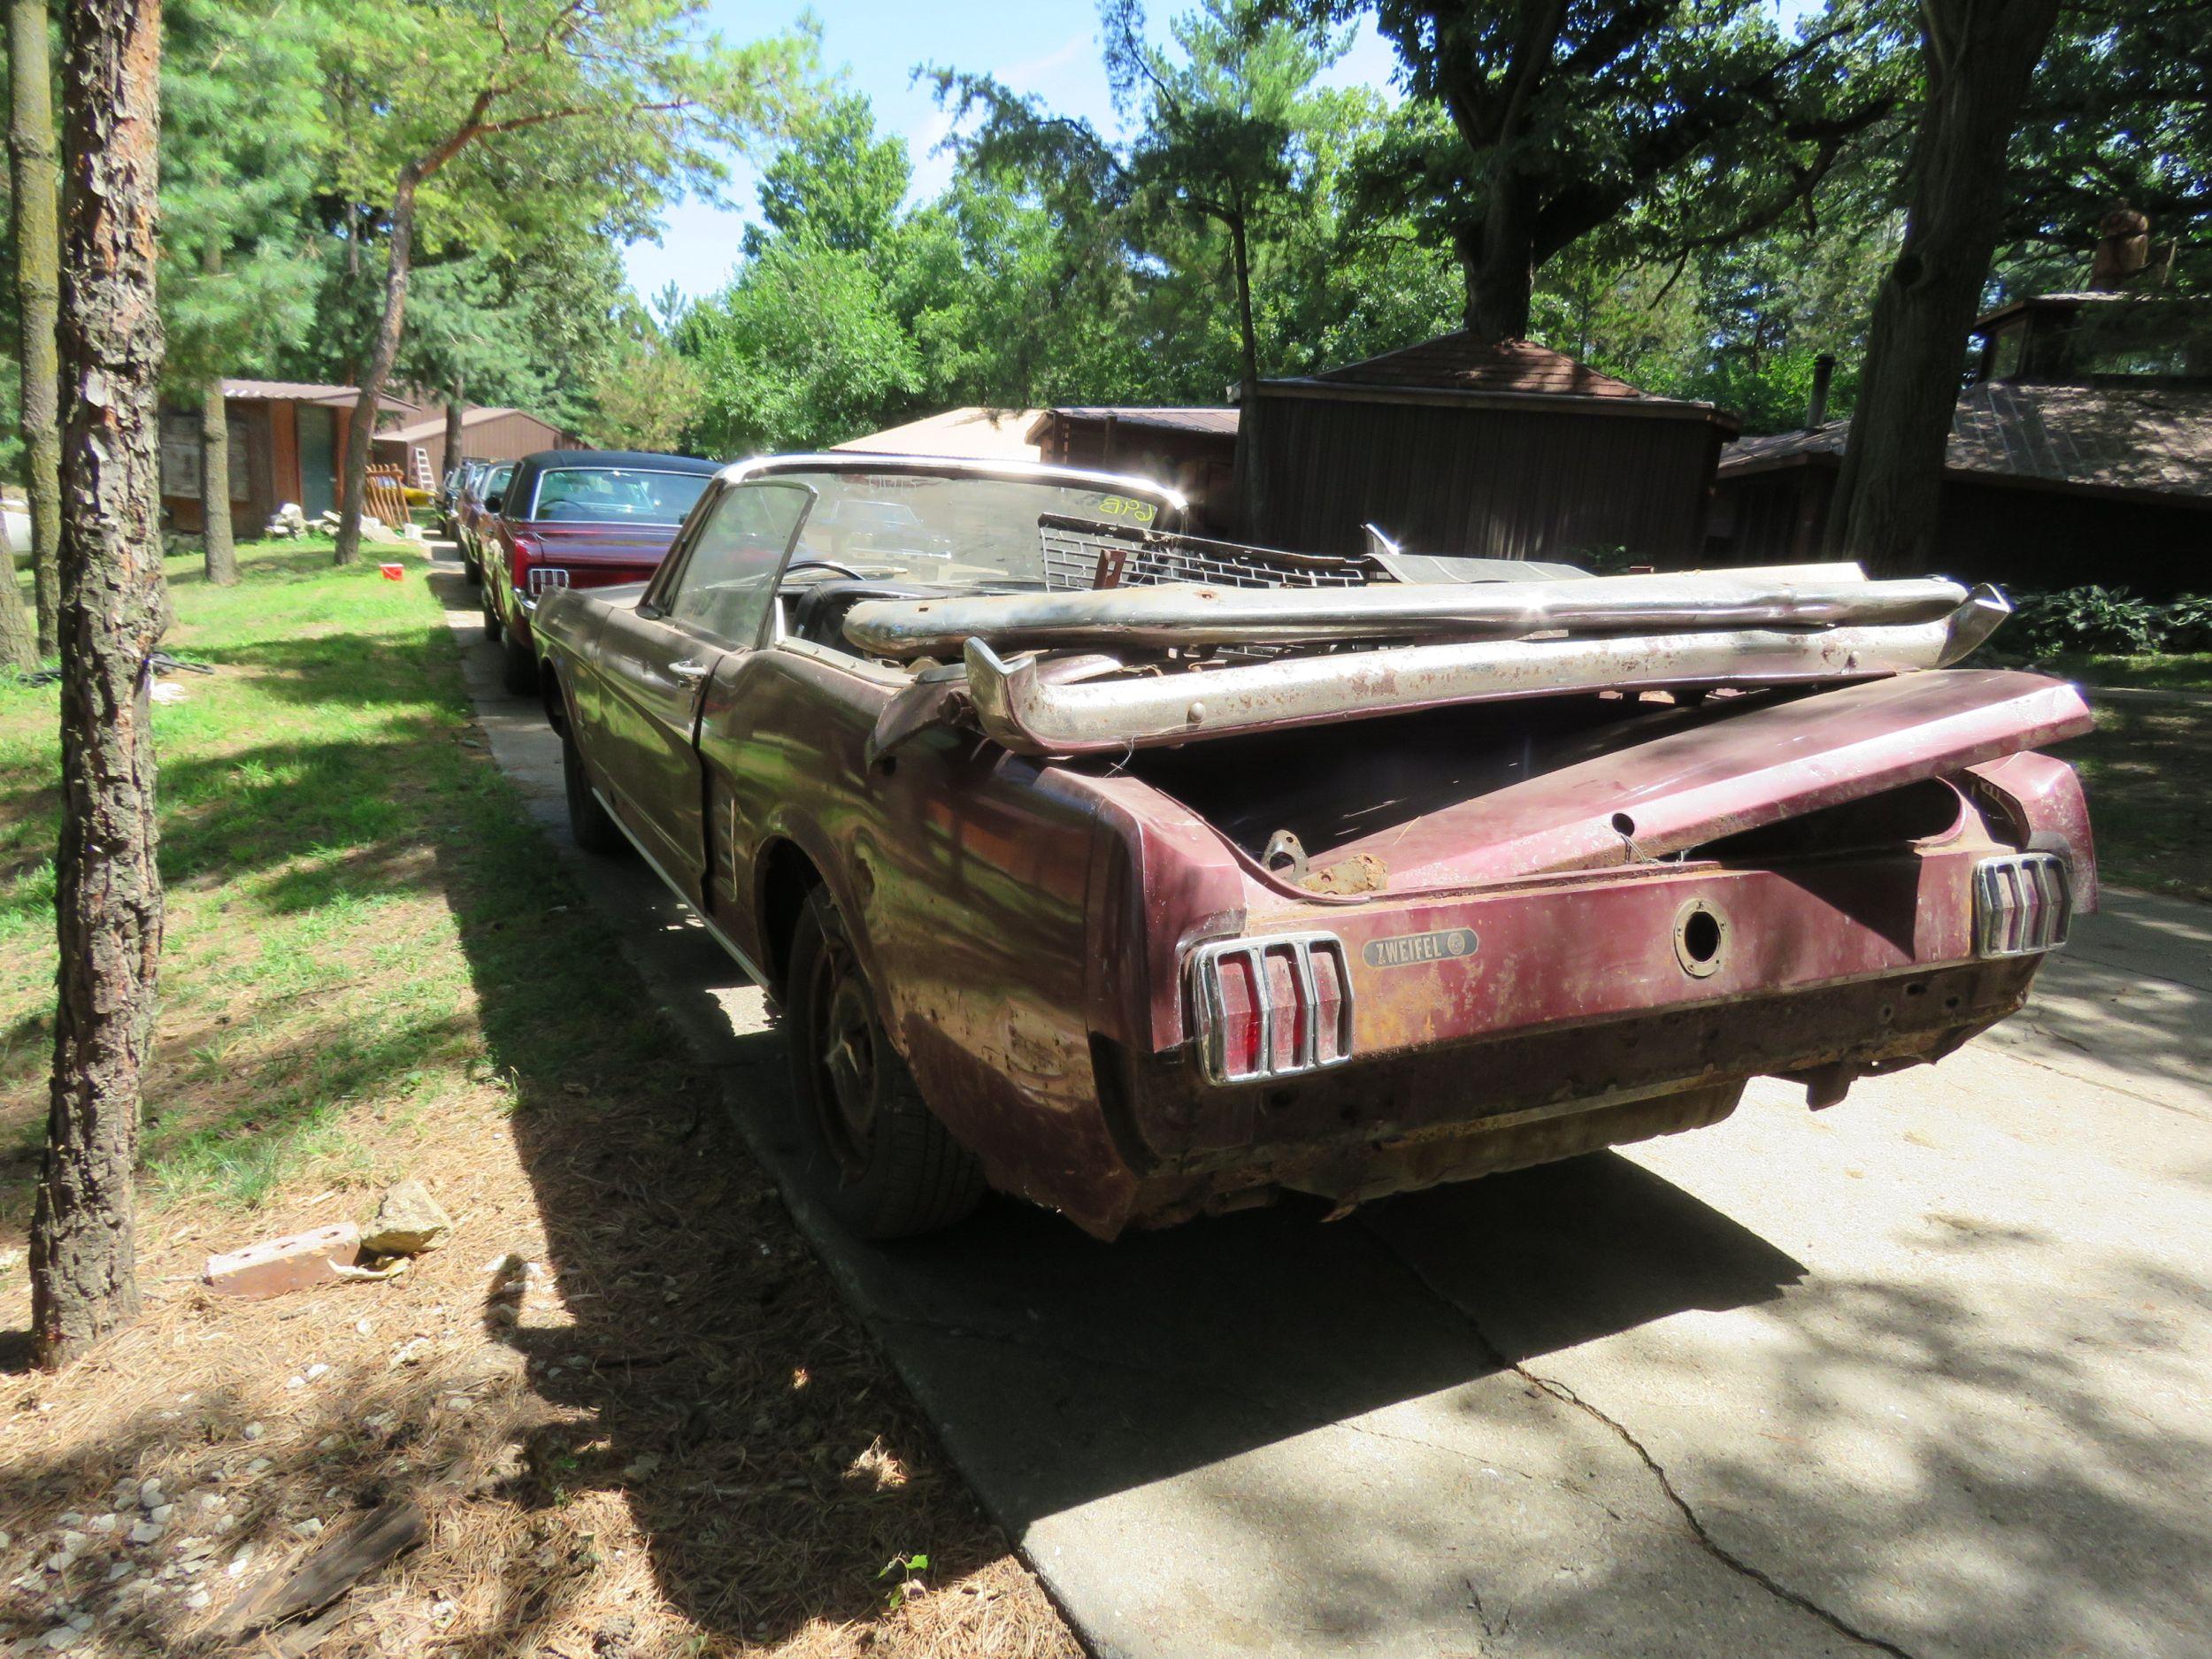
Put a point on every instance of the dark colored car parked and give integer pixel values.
(481, 497)
(578, 518)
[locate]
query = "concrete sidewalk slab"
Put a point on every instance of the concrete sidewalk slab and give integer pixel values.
(1926, 1373)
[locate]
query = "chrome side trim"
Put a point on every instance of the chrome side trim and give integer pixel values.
(654, 864)
(1025, 472)
(2024, 905)
(1030, 713)
(1211, 1012)
(1185, 614)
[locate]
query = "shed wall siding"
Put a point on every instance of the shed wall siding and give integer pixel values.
(1485, 481)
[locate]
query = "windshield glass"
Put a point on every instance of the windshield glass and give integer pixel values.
(617, 494)
(951, 529)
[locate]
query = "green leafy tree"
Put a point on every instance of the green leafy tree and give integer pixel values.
(612, 102)
(242, 133)
(1549, 122)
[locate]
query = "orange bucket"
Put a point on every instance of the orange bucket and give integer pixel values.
(391, 572)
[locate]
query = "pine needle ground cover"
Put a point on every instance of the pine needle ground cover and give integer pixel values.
(626, 1397)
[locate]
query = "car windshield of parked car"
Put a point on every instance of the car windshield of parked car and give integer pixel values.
(950, 528)
(617, 494)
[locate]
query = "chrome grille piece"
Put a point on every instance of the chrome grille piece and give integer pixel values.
(1319, 1028)
(2023, 904)
(1079, 554)
(544, 576)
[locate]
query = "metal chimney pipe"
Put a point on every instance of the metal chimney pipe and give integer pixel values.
(1816, 406)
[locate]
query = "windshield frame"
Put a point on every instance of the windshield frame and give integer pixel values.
(1173, 506)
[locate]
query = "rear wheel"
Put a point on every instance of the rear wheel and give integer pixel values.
(518, 670)
(875, 1153)
(589, 824)
(473, 570)
(492, 630)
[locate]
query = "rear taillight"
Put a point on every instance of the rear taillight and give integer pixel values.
(2023, 904)
(1274, 1006)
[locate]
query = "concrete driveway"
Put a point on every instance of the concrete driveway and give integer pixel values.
(1929, 1373)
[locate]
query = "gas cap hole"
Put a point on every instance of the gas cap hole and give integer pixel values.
(1624, 826)
(1701, 938)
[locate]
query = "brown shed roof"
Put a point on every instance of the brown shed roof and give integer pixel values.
(1461, 361)
(294, 392)
(1219, 422)
(2147, 438)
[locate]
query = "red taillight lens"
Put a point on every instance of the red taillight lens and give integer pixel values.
(1272, 1007)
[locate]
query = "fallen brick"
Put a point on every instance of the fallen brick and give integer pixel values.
(276, 1265)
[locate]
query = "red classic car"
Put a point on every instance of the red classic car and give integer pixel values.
(1144, 876)
(578, 518)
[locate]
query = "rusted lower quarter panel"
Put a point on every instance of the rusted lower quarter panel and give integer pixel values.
(963, 874)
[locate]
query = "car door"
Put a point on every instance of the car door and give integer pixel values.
(655, 660)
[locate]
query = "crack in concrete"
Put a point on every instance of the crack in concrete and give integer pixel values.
(1560, 1392)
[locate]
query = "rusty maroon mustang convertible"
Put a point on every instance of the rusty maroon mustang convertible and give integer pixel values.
(1144, 876)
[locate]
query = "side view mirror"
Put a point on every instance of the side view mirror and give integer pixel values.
(492, 503)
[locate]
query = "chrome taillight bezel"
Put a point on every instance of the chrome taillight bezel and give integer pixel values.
(541, 577)
(1210, 1013)
(2024, 905)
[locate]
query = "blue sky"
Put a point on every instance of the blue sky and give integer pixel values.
(1047, 47)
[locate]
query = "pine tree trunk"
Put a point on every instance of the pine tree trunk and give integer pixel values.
(220, 551)
(1980, 55)
(83, 1248)
(355, 482)
(37, 182)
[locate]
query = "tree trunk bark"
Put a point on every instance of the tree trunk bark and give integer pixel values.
(1497, 257)
(358, 437)
(18, 637)
(1248, 337)
(108, 907)
(220, 552)
(37, 182)
(1980, 55)
(454, 409)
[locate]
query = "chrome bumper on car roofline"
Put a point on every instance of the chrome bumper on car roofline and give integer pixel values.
(1028, 713)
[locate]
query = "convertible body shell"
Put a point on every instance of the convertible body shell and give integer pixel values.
(1796, 880)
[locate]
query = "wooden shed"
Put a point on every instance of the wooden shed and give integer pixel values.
(1495, 450)
(1193, 448)
(489, 433)
(2081, 453)
(288, 443)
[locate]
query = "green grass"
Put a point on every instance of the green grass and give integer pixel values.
(2144, 770)
(362, 926)
(2189, 671)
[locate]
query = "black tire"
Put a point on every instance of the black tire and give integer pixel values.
(588, 823)
(473, 570)
(492, 629)
(518, 669)
(874, 1152)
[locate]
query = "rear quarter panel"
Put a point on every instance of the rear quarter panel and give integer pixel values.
(964, 875)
